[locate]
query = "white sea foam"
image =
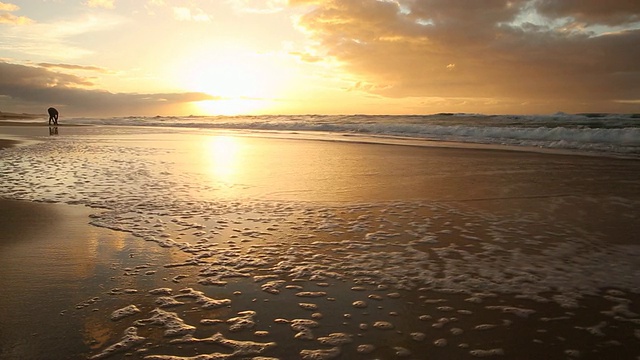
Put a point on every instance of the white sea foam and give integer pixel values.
(240, 348)
(244, 320)
(124, 312)
(170, 321)
(129, 340)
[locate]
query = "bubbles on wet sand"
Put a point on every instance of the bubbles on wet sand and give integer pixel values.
(402, 352)
(303, 328)
(365, 348)
(273, 287)
(311, 294)
(383, 325)
(200, 298)
(486, 353)
(320, 354)
(335, 339)
(308, 306)
(173, 325)
(124, 312)
(360, 304)
(167, 301)
(239, 348)
(440, 342)
(244, 320)
(129, 340)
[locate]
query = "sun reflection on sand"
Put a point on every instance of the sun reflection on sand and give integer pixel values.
(222, 158)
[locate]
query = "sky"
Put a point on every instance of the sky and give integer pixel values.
(233, 57)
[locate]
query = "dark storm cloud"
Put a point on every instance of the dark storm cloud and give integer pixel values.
(512, 51)
(40, 88)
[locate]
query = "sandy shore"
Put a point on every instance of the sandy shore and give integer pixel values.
(41, 248)
(55, 270)
(217, 244)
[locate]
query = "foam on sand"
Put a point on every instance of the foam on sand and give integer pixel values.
(200, 298)
(124, 312)
(239, 348)
(173, 325)
(244, 320)
(320, 354)
(130, 340)
(330, 280)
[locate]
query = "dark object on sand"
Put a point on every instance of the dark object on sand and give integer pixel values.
(53, 115)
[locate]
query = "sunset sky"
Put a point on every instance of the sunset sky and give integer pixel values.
(210, 57)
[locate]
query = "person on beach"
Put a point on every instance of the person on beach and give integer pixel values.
(53, 115)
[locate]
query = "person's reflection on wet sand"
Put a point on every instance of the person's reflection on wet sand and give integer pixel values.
(53, 130)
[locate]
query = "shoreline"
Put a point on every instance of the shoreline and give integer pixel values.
(415, 142)
(9, 130)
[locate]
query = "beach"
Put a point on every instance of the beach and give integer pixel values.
(164, 243)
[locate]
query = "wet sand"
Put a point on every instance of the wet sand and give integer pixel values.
(7, 143)
(33, 296)
(51, 261)
(239, 247)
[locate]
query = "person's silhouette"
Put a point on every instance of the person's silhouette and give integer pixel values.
(53, 115)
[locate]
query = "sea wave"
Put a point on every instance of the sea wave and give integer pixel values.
(612, 134)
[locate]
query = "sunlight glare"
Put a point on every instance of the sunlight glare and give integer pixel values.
(230, 106)
(244, 81)
(221, 153)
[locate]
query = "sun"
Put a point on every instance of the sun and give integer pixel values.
(243, 82)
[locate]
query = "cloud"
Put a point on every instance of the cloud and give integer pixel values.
(40, 87)
(74, 67)
(592, 11)
(106, 4)
(304, 2)
(8, 7)
(258, 6)
(306, 56)
(188, 14)
(6, 16)
(15, 75)
(180, 13)
(406, 47)
(55, 39)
